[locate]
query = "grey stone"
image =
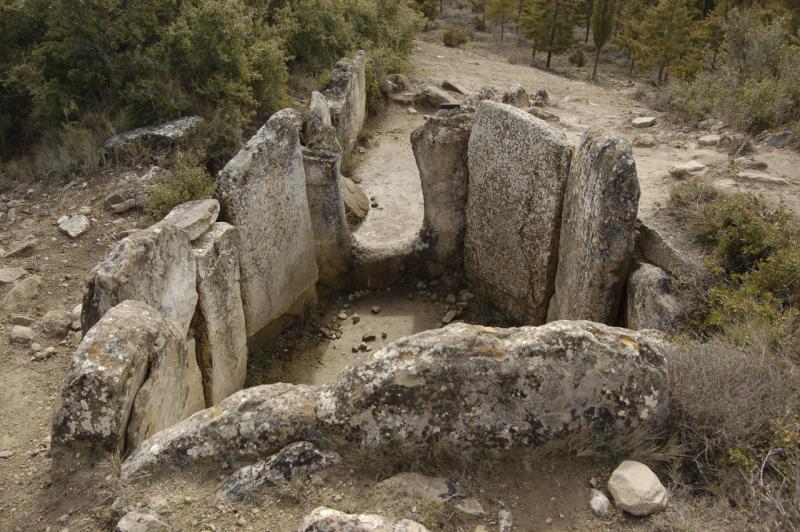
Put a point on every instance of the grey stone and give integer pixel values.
(347, 99)
(194, 217)
(645, 140)
(21, 334)
(454, 87)
(23, 249)
(656, 247)
(74, 226)
(432, 97)
(10, 275)
(597, 230)
(130, 376)
(401, 80)
(651, 301)
(637, 490)
(141, 522)
(155, 266)
(644, 121)
(518, 169)
(324, 519)
(780, 140)
(328, 215)
(599, 504)
(219, 324)
(709, 140)
(23, 294)
(263, 193)
(537, 384)
(440, 147)
(541, 98)
(301, 458)
(164, 134)
(517, 96)
(541, 114)
(254, 422)
(56, 323)
(688, 168)
(505, 520)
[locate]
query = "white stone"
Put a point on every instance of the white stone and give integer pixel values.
(219, 322)
(21, 334)
(75, 225)
(324, 519)
(194, 217)
(644, 121)
(155, 266)
(637, 490)
(684, 169)
(263, 193)
(709, 140)
(518, 169)
(600, 505)
(10, 275)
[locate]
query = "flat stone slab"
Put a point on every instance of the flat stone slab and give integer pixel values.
(194, 217)
(684, 169)
(644, 121)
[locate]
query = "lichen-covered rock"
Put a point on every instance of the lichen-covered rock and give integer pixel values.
(440, 147)
(637, 490)
(56, 323)
(517, 96)
(597, 230)
(324, 519)
(194, 217)
(218, 324)
(347, 99)
(656, 247)
(156, 136)
(263, 193)
(328, 215)
(651, 302)
(301, 458)
(536, 384)
(518, 168)
(252, 423)
(130, 346)
(155, 266)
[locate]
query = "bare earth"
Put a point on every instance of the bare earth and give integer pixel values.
(547, 488)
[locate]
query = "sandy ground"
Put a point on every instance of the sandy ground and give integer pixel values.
(28, 388)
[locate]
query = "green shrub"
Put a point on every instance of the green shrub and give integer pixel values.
(577, 58)
(186, 182)
(479, 24)
(453, 38)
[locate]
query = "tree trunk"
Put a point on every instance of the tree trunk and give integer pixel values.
(661, 70)
(549, 55)
(596, 60)
(633, 61)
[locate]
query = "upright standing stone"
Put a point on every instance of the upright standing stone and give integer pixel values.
(440, 147)
(263, 193)
(518, 168)
(328, 216)
(347, 98)
(597, 231)
(651, 302)
(131, 345)
(155, 266)
(219, 321)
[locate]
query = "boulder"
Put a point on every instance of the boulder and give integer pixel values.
(263, 192)
(298, 459)
(637, 490)
(141, 522)
(657, 248)
(645, 140)
(194, 217)
(324, 519)
(536, 384)
(218, 324)
(518, 169)
(541, 98)
(254, 422)
(440, 147)
(155, 266)
(651, 302)
(328, 215)
(644, 121)
(709, 140)
(401, 80)
(74, 226)
(432, 96)
(23, 294)
(517, 96)
(356, 201)
(347, 99)
(21, 334)
(165, 134)
(131, 375)
(597, 230)
(56, 323)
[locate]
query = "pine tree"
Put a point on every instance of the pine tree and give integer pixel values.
(630, 33)
(549, 24)
(667, 34)
(602, 25)
(500, 11)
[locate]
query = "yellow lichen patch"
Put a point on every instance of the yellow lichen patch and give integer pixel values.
(497, 354)
(630, 342)
(405, 357)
